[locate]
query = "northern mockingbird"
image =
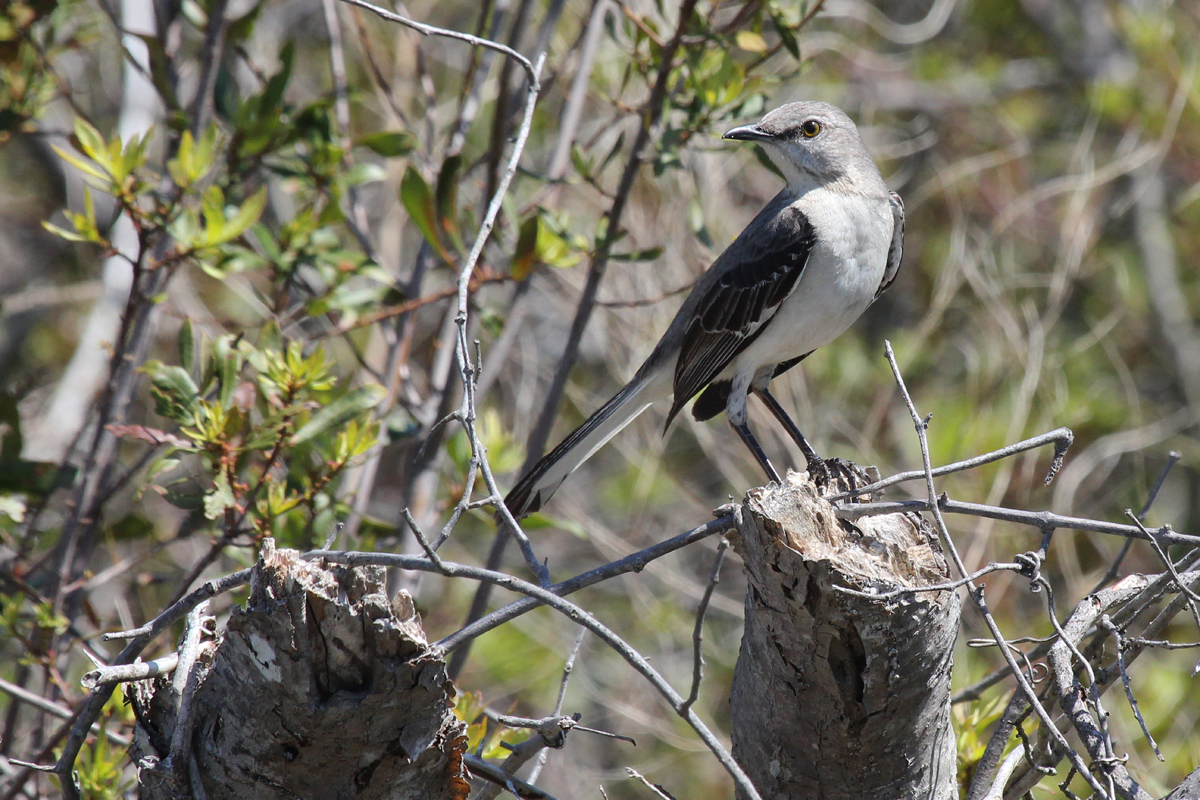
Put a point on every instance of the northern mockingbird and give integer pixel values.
(800, 273)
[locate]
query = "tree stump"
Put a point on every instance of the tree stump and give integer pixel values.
(837, 696)
(320, 688)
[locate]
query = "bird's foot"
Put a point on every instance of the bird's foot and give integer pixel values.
(819, 471)
(837, 475)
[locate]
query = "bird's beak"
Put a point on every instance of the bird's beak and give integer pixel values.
(748, 133)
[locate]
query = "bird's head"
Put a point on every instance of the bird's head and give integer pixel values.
(814, 144)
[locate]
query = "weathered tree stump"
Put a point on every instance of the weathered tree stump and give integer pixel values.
(837, 696)
(320, 688)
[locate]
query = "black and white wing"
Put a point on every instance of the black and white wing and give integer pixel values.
(896, 251)
(763, 270)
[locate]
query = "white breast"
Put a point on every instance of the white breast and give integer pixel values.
(841, 278)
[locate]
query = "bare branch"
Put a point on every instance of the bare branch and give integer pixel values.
(137, 671)
(977, 592)
(698, 633)
(39, 702)
(1042, 520)
(1061, 438)
(431, 30)
(634, 562)
(1107, 624)
(568, 668)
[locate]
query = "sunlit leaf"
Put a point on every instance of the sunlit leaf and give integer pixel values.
(389, 144)
(525, 255)
(340, 411)
(751, 42)
(187, 344)
(175, 394)
(446, 198)
(418, 201)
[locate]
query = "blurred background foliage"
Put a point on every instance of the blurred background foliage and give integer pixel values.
(292, 225)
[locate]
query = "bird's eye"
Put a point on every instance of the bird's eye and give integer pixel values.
(810, 128)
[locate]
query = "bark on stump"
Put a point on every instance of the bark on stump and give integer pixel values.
(320, 688)
(836, 696)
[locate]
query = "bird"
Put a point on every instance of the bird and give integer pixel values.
(804, 269)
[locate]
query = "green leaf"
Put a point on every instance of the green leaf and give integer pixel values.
(272, 95)
(579, 162)
(389, 144)
(194, 158)
(649, 254)
(751, 42)
(447, 198)
(339, 412)
(418, 201)
(541, 521)
(616, 148)
(33, 477)
(220, 498)
(91, 143)
(240, 29)
(525, 256)
(186, 494)
(10, 417)
(247, 215)
(79, 164)
(361, 174)
(175, 394)
(554, 250)
(160, 70)
(161, 466)
(63, 233)
(229, 364)
(786, 35)
(187, 345)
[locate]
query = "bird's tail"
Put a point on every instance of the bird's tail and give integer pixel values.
(536, 486)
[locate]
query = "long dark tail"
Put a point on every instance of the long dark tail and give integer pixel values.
(536, 486)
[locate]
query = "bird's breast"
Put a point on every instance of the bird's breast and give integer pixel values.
(843, 272)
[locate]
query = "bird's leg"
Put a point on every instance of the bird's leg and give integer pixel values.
(817, 467)
(738, 416)
(743, 430)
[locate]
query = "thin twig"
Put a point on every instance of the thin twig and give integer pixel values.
(976, 592)
(467, 370)
(39, 702)
(1061, 438)
(635, 562)
(568, 668)
(1107, 624)
(491, 772)
(1173, 458)
(1105, 744)
(540, 433)
(357, 218)
(698, 632)
(937, 587)
(140, 637)
(187, 679)
(1192, 597)
(137, 671)
(210, 60)
(431, 30)
(654, 787)
(1035, 519)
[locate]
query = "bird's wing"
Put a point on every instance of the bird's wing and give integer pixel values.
(896, 250)
(761, 271)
